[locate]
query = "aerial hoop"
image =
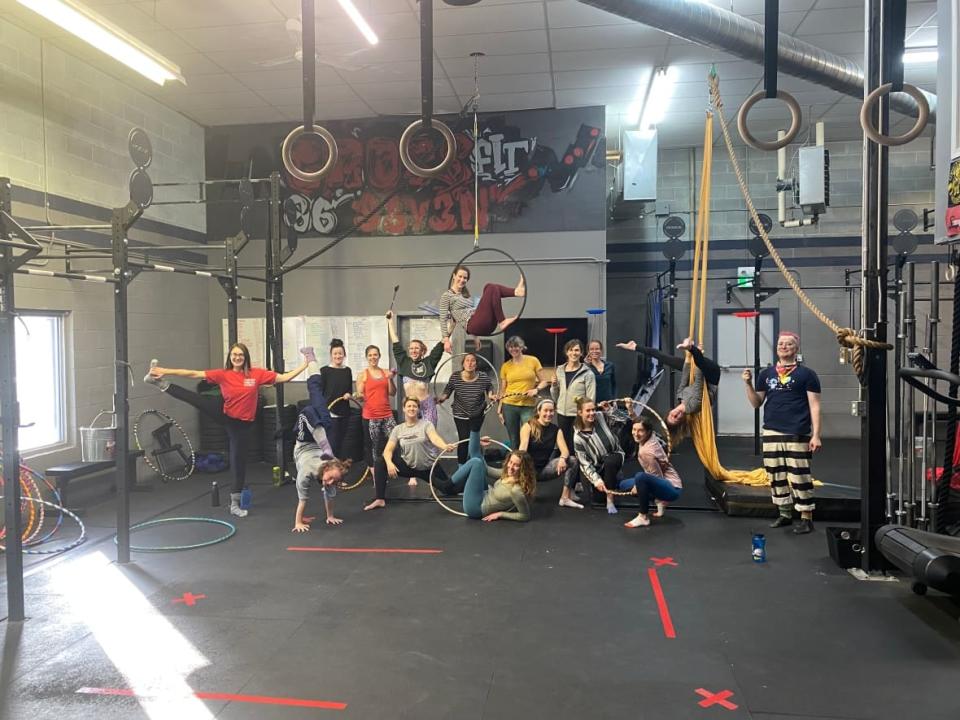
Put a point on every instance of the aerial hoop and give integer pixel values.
(523, 275)
(866, 121)
(795, 117)
(441, 456)
(407, 136)
(494, 377)
(644, 408)
(286, 152)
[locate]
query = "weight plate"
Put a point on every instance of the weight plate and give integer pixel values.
(674, 227)
(757, 247)
(904, 243)
(139, 147)
(765, 221)
(905, 220)
(674, 249)
(141, 188)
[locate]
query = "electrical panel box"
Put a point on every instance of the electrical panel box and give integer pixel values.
(814, 180)
(640, 165)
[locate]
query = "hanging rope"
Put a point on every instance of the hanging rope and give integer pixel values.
(847, 337)
(476, 149)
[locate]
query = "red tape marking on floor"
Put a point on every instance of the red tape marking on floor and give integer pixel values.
(719, 698)
(668, 630)
(231, 697)
(657, 562)
(189, 599)
(402, 551)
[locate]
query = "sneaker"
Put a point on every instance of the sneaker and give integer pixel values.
(238, 511)
(567, 502)
(782, 521)
(803, 527)
(151, 380)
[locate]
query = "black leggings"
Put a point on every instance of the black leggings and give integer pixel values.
(464, 428)
(612, 463)
(238, 431)
(338, 430)
(711, 371)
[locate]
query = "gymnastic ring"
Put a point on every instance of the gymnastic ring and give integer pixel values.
(923, 114)
(286, 151)
(441, 456)
(407, 136)
(495, 376)
(523, 275)
(795, 118)
(644, 406)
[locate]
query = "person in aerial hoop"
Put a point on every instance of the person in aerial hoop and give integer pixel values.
(236, 410)
(487, 318)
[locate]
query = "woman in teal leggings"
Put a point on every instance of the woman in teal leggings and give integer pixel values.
(508, 498)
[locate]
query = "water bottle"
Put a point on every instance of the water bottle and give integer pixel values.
(759, 548)
(276, 476)
(245, 497)
(215, 494)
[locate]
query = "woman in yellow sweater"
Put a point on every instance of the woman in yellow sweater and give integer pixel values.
(520, 381)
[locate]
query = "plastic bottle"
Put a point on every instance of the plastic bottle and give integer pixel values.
(215, 494)
(276, 476)
(245, 497)
(759, 548)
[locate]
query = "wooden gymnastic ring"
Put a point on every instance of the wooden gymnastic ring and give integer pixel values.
(412, 129)
(795, 118)
(923, 115)
(286, 151)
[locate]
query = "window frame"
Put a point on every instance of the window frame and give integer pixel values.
(63, 397)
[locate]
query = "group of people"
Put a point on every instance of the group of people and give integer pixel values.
(565, 434)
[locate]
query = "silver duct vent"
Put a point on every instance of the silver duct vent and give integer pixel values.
(714, 27)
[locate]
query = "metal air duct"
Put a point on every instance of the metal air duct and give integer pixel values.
(714, 27)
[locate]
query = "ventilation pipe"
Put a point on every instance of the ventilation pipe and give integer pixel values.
(714, 27)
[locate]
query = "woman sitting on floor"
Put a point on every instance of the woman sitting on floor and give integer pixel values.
(598, 450)
(658, 480)
(540, 438)
(408, 450)
(509, 497)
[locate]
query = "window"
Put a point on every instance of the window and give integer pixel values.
(40, 380)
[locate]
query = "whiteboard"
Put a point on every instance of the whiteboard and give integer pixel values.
(300, 331)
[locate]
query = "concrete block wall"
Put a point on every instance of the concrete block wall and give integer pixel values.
(83, 116)
(818, 254)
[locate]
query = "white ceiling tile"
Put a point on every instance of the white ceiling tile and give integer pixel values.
(599, 59)
(392, 26)
(176, 14)
(730, 70)
(213, 100)
(603, 78)
(192, 64)
(506, 43)
(248, 37)
(595, 96)
(921, 12)
(634, 36)
(496, 64)
(846, 42)
(406, 70)
(922, 37)
(279, 97)
(788, 20)
(219, 82)
(681, 52)
(129, 18)
(386, 51)
(236, 116)
(498, 84)
(835, 20)
(490, 18)
(442, 105)
(289, 76)
(402, 89)
(517, 101)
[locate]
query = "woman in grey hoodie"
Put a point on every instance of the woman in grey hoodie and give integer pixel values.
(573, 379)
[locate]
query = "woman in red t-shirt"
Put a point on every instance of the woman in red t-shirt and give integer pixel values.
(240, 387)
(375, 385)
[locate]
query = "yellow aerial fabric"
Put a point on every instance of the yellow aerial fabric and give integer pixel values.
(701, 423)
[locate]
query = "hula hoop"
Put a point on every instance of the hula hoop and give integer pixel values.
(523, 276)
(663, 425)
(407, 136)
(366, 473)
(795, 118)
(448, 456)
(866, 121)
(351, 399)
(286, 152)
(232, 530)
(62, 510)
(494, 375)
(188, 470)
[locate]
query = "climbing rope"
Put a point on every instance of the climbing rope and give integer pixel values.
(847, 337)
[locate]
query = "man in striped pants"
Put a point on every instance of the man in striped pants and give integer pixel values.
(790, 395)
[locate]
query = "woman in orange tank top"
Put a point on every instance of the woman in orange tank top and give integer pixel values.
(375, 385)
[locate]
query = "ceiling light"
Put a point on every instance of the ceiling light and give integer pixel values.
(658, 97)
(636, 105)
(106, 37)
(350, 9)
(920, 55)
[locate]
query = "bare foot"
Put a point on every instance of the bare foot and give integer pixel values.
(478, 344)
(375, 504)
(640, 520)
(505, 323)
(412, 482)
(521, 289)
(661, 509)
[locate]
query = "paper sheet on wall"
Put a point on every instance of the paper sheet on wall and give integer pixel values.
(356, 332)
(252, 333)
(294, 338)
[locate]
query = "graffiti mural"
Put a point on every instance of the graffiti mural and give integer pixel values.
(526, 179)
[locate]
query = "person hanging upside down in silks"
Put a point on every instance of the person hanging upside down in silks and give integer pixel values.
(659, 480)
(456, 307)
(508, 498)
(313, 453)
(598, 450)
(540, 437)
(408, 450)
(790, 395)
(236, 410)
(689, 394)
(416, 368)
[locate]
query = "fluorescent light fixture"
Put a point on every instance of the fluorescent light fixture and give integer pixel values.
(920, 55)
(106, 37)
(636, 105)
(362, 25)
(658, 97)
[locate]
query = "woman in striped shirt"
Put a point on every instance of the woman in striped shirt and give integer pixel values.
(471, 391)
(456, 306)
(598, 450)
